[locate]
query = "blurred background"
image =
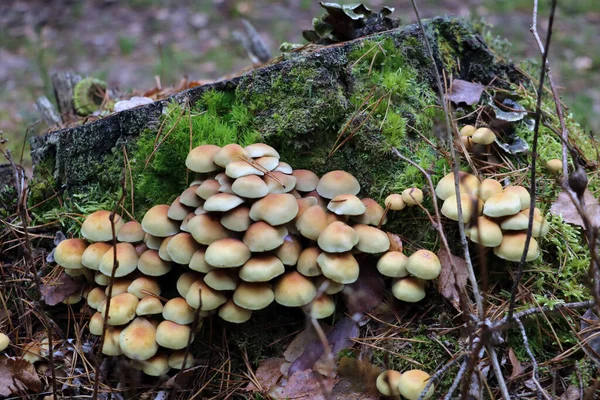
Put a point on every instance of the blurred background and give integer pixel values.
(129, 43)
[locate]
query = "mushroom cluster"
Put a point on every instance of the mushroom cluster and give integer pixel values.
(476, 139)
(410, 384)
(498, 216)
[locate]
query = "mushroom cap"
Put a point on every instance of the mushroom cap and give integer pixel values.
(312, 222)
(337, 182)
(131, 232)
(371, 240)
(127, 260)
(149, 305)
(412, 196)
(467, 131)
(395, 202)
(157, 365)
(237, 220)
(393, 264)
(502, 205)
(331, 288)
(153, 242)
(409, 289)
(178, 211)
(230, 153)
(227, 253)
(516, 222)
(101, 279)
(555, 165)
(97, 227)
(261, 150)
(198, 262)
(304, 203)
(250, 186)
(253, 296)
(486, 232)
(294, 290)
(119, 286)
(222, 202)
(339, 267)
(284, 167)
(346, 204)
(144, 286)
(207, 228)
(307, 262)
(261, 268)
(337, 237)
(111, 346)
(4, 341)
(181, 247)
(306, 180)
(208, 188)
(275, 209)
(231, 312)
(321, 307)
(289, 251)
(267, 163)
(122, 309)
(222, 279)
(92, 255)
(522, 193)
(96, 324)
(162, 250)
(172, 335)
(178, 311)
(151, 264)
(540, 225)
(68, 254)
(424, 264)
(177, 358)
(483, 136)
(95, 297)
(200, 295)
(156, 222)
(138, 339)
(201, 159)
(468, 184)
(387, 382)
(513, 245)
(488, 188)
(373, 213)
(413, 382)
(238, 169)
(189, 197)
(470, 205)
(261, 236)
(186, 280)
(278, 182)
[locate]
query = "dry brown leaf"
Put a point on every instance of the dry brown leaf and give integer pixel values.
(298, 344)
(572, 393)
(395, 242)
(16, 376)
(267, 374)
(564, 207)
(366, 293)
(589, 333)
(517, 369)
(304, 385)
(465, 92)
(57, 290)
(450, 282)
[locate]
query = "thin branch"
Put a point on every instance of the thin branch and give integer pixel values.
(534, 365)
(497, 371)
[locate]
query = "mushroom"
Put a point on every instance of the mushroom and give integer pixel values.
(483, 136)
(138, 339)
(371, 240)
(238, 219)
(179, 311)
(485, 232)
(261, 236)
(131, 232)
(393, 264)
(95, 297)
(180, 360)
(555, 166)
(4, 341)
(157, 365)
(127, 260)
(502, 205)
(424, 264)
(111, 346)
(231, 312)
(409, 289)
(92, 255)
(346, 204)
(289, 251)
(275, 209)
(394, 202)
(68, 254)
(337, 237)
(201, 159)
(172, 335)
(330, 287)
(181, 247)
(190, 198)
(222, 279)
(306, 180)
(522, 193)
(513, 245)
(468, 184)
(278, 182)
(307, 262)
(339, 267)
(321, 307)
(153, 242)
(144, 286)
(97, 226)
(227, 253)
(250, 186)
(96, 324)
(156, 222)
(222, 202)
(489, 188)
(230, 153)
(198, 262)
(186, 280)
(261, 269)
(149, 305)
(412, 383)
(312, 222)
(470, 205)
(284, 167)
(412, 196)
(337, 182)
(150, 263)
(261, 150)
(200, 295)
(467, 131)
(208, 188)
(294, 290)
(253, 296)
(387, 382)
(372, 215)
(122, 309)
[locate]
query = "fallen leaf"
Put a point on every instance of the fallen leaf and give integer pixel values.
(298, 344)
(267, 374)
(55, 291)
(564, 207)
(589, 335)
(465, 92)
(450, 281)
(366, 293)
(17, 376)
(572, 393)
(517, 369)
(395, 242)
(304, 385)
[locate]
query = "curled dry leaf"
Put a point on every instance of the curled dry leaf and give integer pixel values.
(517, 369)
(465, 92)
(564, 207)
(451, 281)
(55, 291)
(395, 242)
(267, 375)
(18, 376)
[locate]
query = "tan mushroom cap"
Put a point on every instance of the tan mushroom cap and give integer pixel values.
(237, 220)
(284, 167)
(227, 253)
(179, 311)
(122, 309)
(294, 290)
(261, 268)
(267, 163)
(111, 346)
(486, 232)
(92, 255)
(373, 213)
(304, 203)
(489, 188)
(337, 237)
(289, 251)
(307, 262)
(409, 289)
(346, 204)
(208, 188)
(222, 279)
(153, 242)
(200, 295)
(96, 324)
(198, 262)
(540, 225)
(131, 232)
(306, 180)
(186, 280)
(127, 260)
(502, 205)
(387, 382)
(222, 202)
(178, 211)
(468, 184)
(74, 272)
(395, 202)
(144, 286)
(261, 236)
(119, 286)
(172, 335)
(339, 267)
(253, 296)
(312, 222)
(151, 264)
(470, 206)
(157, 365)
(467, 131)
(231, 312)
(162, 250)
(177, 359)
(275, 209)
(516, 222)
(321, 307)
(513, 245)
(149, 306)
(522, 193)
(483, 136)
(412, 196)
(156, 222)
(230, 153)
(238, 169)
(393, 264)
(138, 340)
(371, 240)
(331, 287)
(181, 247)
(201, 159)
(97, 227)
(555, 165)
(250, 186)
(320, 200)
(261, 150)
(4, 341)
(424, 264)
(278, 182)
(189, 197)
(68, 254)
(101, 279)
(207, 228)
(337, 182)
(95, 297)
(412, 383)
